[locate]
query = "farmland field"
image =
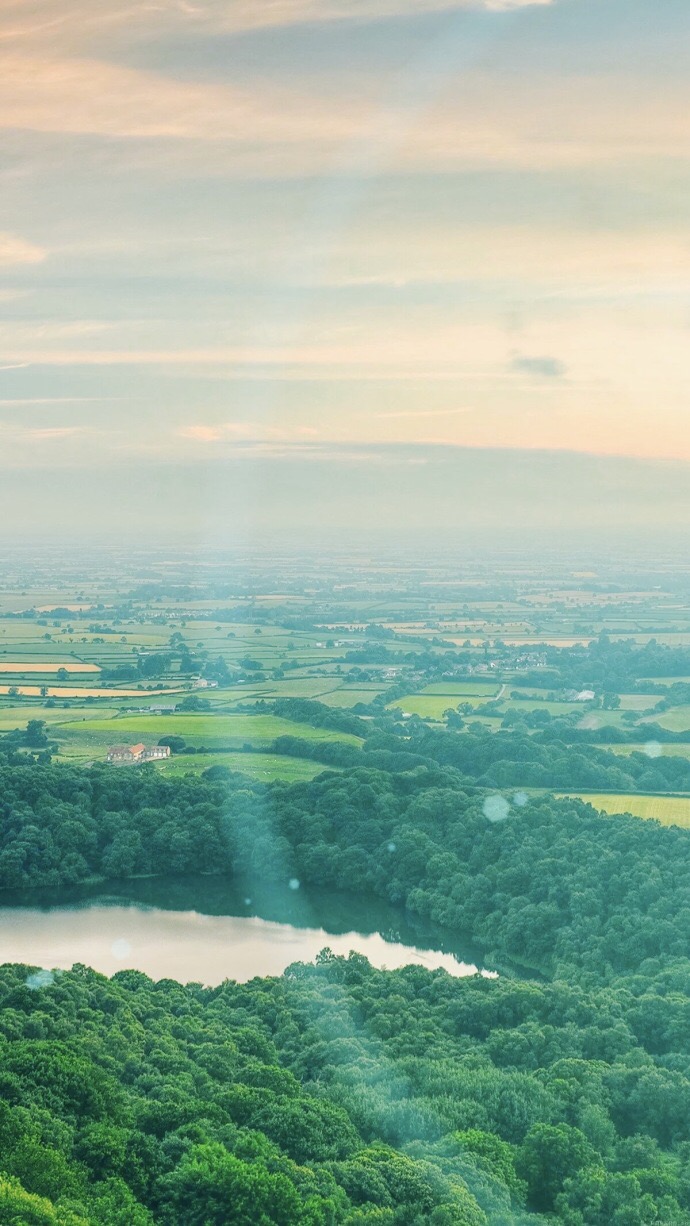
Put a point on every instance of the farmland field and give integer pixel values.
(16, 716)
(666, 680)
(638, 702)
(345, 646)
(50, 666)
(263, 766)
(553, 708)
(348, 697)
(430, 706)
(676, 720)
(62, 691)
(463, 689)
(91, 738)
(660, 749)
(669, 810)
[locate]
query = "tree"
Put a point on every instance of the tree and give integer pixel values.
(192, 702)
(495, 1156)
(35, 737)
(217, 670)
(550, 1155)
(20, 1208)
(176, 744)
(212, 1187)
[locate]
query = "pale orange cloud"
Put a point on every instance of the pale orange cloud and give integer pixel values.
(48, 433)
(201, 434)
(549, 120)
(42, 93)
(563, 258)
(77, 24)
(15, 250)
(246, 432)
(476, 120)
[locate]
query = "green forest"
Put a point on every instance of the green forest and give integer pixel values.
(338, 1093)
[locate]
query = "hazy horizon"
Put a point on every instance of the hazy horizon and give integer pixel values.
(386, 497)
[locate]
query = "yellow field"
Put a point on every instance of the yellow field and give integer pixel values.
(669, 810)
(668, 750)
(48, 667)
(61, 691)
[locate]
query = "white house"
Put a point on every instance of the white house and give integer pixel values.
(131, 754)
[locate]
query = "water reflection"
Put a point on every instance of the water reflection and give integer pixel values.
(210, 929)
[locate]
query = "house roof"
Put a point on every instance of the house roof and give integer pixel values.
(138, 748)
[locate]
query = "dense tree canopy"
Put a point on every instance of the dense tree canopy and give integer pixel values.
(337, 1093)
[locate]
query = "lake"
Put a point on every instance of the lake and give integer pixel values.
(207, 930)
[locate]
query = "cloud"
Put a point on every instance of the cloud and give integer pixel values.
(48, 433)
(554, 259)
(15, 402)
(543, 119)
(13, 332)
(81, 23)
(42, 93)
(420, 413)
(550, 368)
(46, 356)
(201, 434)
(247, 432)
(247, 439)
(467, 118)
(15, 250)
(247, 14)
(58, 74)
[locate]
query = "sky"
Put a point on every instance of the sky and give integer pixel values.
(344, 265)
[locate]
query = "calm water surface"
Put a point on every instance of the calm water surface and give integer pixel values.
(207, 930)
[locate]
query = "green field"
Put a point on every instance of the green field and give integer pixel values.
(90, 739)
(638, 702)
(16, 717)
(430, 706)
(676, 720)
(669, 810)
(553, 708)
(666, 681)
(263, 766)
(349, 697)
(463, 689)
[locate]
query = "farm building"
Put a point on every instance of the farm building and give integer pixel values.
(122, 754)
